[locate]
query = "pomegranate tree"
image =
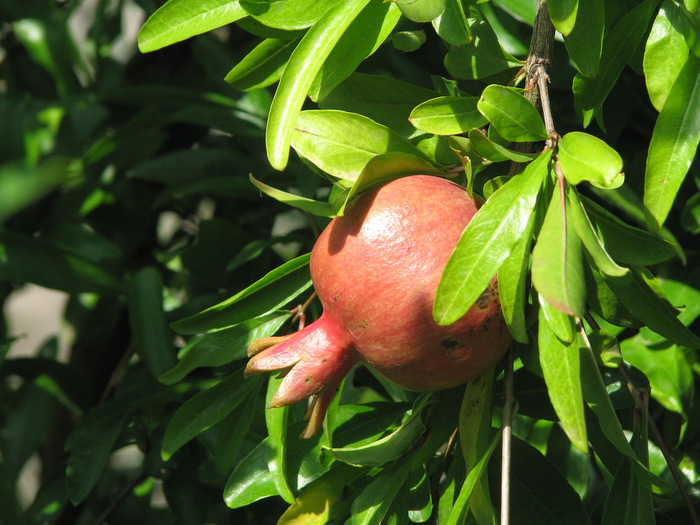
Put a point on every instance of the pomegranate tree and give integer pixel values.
(376, 270)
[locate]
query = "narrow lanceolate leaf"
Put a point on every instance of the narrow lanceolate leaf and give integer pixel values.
(585, 42)
(674, 143)
(563, 14)
(204, 410)
(491, 150)
(373, 503)
(263, 65)
(665, 54)
(487, 241)
(178, 20)
(618, 48)
(557, 262)
(560, 362)
(513, 116)
(303, 66)
(447, 115)
(342, 144)
(265, 295)
(277, 422)
(590, 238)
(583, 157)
(315, 207)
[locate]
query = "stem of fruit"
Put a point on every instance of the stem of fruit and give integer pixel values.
(509, 408)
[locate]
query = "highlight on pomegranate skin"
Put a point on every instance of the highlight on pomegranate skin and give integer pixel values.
(376, 270)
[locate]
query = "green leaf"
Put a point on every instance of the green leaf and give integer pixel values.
(447, 115)
(557, 259)
(461, 505)
(490, 150)
(594, 246)
(40, 261)
(408, 41)
(361, 39)
(585, 42)
(453, 25)
(665, 54)
(563, 325)
(263, 66)
(642, 295)
(481, 57)
(626, 502)
(233, 429)
(674, 144)
(271, 292)
(421, 10)
(287, 16)
(561, 367)
(277, 423)
(512, 284)
(603, 301)
(513, 116)
(391, 446)
(178, 20)
(204, 411)
(342, 144)
(618, 48)
(585, 157)
(487, 241)
(251, 480)
(304, 64)
(374, 501)
(153, 339)
(312, 206)
(223, 346)
(383, 99)
(625, 243)
(563, 14)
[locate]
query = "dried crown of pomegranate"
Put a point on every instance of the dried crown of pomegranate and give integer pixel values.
(376, 270)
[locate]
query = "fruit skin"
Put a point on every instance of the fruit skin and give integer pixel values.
(376, 270)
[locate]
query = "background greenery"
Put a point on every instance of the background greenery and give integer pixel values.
(124, 182)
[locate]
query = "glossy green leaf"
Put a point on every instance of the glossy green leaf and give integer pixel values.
(585, 157)
(263, 66)
(674, 144)
(223, 346)
(590, 239)
(481, 57)
(391, 446)
(25, 258)
(383, 99)
(251, 480)
(178, 20)
(153, 339)
(342, 144)
(513, 116)
(606, 348)
(374, 501)
(461, 506)
(233, 429)
(288, 16)
(447, 115)
(642, 295)
(304, 64)
(312, 206)
(205, 410)
(628, 502)
(487, 241)
(277, 422)
(421, 10)
(563, 325)
(361, 39)
(665, 54)
(453, 24)
(618, 48)
(563, 14)
(512, 284)
(585, 42)
(602, 300)
(557, 259)
(627, 244)
(271, 292)
(493, 151)
(560, 362)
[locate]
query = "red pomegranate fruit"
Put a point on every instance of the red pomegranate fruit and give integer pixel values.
(376, 270)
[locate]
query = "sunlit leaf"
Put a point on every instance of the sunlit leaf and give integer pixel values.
(585, 41)
(453, 25)
(447, 115)
(373, 503)
(585, 157)
(277, 422)
(563, 14)
(493, 151)
(288, 16)
(322, 209)
(513, 116)
(263, 65)
(421, 10)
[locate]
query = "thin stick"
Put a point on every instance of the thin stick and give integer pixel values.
(509, 408)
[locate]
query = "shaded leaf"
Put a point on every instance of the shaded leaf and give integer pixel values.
(493, 151)
(373, 503)
(453, 25)
(585, 42)
(263, 66)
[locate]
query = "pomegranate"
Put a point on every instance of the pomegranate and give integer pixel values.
(376, 270)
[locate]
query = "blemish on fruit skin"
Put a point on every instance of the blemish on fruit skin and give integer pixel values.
(450, 343)
(335, 298)
(362, 325)
(309, 380)
(484, 300)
